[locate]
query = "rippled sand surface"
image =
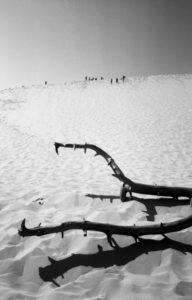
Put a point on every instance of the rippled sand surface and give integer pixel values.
(146, 125)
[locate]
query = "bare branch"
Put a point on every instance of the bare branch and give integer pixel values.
(130, 186)
(110, 161)
(108, 229)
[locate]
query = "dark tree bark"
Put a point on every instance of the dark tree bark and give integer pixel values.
(134, 231)
(130, 186)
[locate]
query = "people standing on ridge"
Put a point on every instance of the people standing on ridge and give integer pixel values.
(92, 78)
(123, 78)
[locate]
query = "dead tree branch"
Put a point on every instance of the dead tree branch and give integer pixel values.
(130, 186)
(110, 161)
(134, 231)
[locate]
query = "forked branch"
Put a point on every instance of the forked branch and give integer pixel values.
(118, 173)
(134, 231)
(130, 186)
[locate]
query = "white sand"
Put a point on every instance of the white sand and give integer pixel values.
(146, 125)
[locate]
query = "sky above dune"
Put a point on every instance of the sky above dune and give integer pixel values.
(65, 40)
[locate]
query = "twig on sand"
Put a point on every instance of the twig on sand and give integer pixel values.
(134, 231)
(130, 186)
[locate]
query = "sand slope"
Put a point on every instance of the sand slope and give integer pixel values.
(146, 126)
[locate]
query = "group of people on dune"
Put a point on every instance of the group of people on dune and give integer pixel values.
(112, 80)
(116, 80)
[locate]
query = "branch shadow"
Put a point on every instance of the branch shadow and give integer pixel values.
(150, 203)
(103, 197)
(105, 259)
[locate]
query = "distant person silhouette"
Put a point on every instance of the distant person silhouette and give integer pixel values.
(123, 78)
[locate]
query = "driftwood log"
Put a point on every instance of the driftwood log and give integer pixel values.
(130, 186)
(109, 230)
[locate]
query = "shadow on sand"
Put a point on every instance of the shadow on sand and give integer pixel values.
(104, 259)
(150, 203)
(103, 197)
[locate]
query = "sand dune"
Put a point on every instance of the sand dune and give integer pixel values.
(146, 126)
